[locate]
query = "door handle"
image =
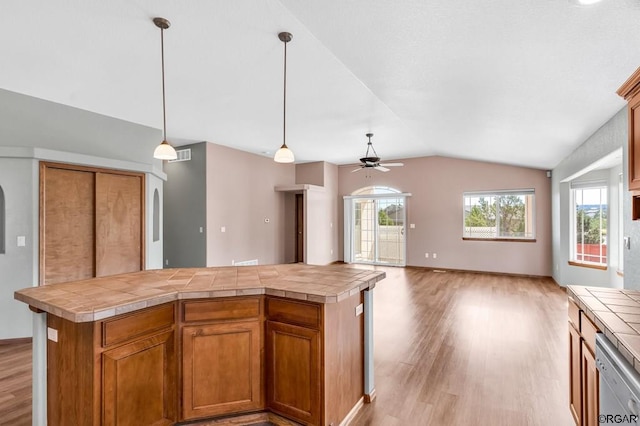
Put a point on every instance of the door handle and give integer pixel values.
(402, 231)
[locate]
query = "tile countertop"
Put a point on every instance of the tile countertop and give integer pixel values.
(616, 313)
(99, 298)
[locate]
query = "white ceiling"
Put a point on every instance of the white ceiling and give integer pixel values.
(518, 82)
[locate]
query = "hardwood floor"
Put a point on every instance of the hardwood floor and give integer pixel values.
(451, 348)
(15, 384)
(460, 348)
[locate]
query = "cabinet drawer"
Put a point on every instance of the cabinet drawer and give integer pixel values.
(290, 312)
(574, 314)
(129, 326)
(588, 331)
(222, 309)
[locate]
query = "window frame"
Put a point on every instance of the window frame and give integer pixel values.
(573, 224)
(496, 194)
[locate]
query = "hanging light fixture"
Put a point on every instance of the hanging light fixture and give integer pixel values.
(164, 151)
(284, 154)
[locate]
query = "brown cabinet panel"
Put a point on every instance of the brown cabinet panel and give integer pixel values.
(128, 327)
(590, 388)
(222, 369)
(575, 381)
(588, 331)
(294, 371)
(67, 228)
(292, 312)
(634, 143)
(118, 224)
(219, 310)
(139, 386)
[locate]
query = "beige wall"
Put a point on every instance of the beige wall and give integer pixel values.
(240, 196)
(437, 185)
(322, 240)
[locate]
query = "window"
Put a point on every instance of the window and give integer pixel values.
(499, 215)
(589, 239)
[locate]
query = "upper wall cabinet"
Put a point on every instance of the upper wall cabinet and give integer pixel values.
(630, 91)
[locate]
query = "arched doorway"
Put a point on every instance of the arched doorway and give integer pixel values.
(375, 226)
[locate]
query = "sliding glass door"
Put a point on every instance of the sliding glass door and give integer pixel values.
(375, 229)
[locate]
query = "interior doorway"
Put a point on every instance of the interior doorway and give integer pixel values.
(375, 223)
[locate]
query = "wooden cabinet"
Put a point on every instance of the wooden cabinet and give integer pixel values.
(583, 373)
(222, 352)
(315, 359)
(293, 371)
(204, 358)
(120, 371)
(575, 374)
(630, 91)
(138, 382)
(590, 387)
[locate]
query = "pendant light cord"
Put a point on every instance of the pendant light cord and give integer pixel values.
(284, 103)
(164, 112)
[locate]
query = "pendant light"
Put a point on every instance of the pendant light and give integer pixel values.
(284, 154)
(164, 151)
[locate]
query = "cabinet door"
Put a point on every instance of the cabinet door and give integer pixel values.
(293, 371)
(139, 385)
(575, 381)
(634, 143)
(590, 388)
(222, 369)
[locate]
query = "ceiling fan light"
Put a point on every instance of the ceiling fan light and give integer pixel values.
(164, 151)
(284, 155)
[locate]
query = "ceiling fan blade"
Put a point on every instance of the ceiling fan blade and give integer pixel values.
(382, 169)
(356, 170)
(392, 164)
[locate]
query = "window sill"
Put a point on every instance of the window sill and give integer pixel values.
(511, 240)
(588, 265)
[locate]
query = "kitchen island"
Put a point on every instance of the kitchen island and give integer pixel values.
(177, 345)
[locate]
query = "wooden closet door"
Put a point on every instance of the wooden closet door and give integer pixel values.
(67, 225)
(118, 224)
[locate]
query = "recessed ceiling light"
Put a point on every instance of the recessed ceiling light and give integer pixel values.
(584, 2)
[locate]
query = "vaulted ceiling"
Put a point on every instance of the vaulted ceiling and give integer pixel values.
(517, 82)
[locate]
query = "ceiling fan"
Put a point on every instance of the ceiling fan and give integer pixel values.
(373, 161)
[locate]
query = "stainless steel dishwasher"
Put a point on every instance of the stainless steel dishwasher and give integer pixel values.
(619, 386)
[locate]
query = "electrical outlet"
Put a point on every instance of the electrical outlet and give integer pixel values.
(435, 255)
(426, 255)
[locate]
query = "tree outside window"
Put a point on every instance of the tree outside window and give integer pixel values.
(501, 215)
(590, 219)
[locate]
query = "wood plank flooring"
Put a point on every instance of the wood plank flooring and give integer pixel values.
(15, 384)
(451, 348)
(461, 348)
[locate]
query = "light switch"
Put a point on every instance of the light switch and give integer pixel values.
(22, 241)
(359, 309)
(223, 229)
(412, 226)
(201, 229)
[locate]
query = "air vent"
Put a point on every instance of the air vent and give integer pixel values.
(183, 155)
(245, 262)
